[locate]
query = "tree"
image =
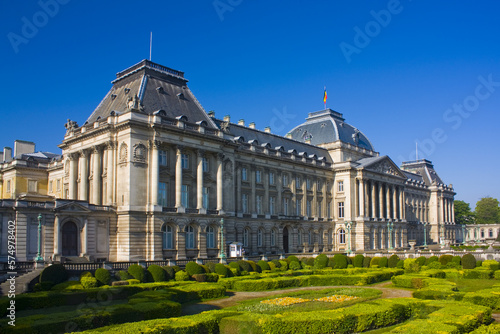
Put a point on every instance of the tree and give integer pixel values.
(487, 211)
(463, 214)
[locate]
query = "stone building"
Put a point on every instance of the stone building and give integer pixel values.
(150, 175)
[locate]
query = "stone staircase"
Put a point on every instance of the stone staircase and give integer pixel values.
(22, 282)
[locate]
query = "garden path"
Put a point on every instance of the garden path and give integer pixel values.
(237, 296)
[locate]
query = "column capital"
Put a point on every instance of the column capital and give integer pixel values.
(84, 153)
(179, 149)
(110, 144)
(220, 156)
(97, 149)
(200, 153)
(154, 144)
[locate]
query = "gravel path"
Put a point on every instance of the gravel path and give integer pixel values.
(235, 297)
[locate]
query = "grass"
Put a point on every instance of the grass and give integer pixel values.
(472, 285)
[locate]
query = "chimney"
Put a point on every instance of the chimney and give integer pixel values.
(7, 154)
(251, 125)
(227, 118)
(289, 135)
(1, 157)
(241, 122)
(23, 147)
(267, 129)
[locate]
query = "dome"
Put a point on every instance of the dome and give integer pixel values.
(328, 126)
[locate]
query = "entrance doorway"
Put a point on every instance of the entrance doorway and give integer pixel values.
(70, 239)
(285, 239)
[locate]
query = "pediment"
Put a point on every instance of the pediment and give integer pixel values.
(384, 166)
(72, 207)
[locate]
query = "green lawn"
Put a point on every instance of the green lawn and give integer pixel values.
(472, 285)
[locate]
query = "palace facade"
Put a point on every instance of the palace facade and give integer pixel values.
(150, 175)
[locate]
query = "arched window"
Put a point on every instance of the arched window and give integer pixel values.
(310, 237)
(259, 237)
(210, 237)
(299, 237)
(273, 237)
(482, 233)
(190, 237)
(245, 237)
(341, 236)
(490, 233)
(167, 236)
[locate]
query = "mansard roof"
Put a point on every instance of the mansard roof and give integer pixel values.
(328, 126)
(425, 169)
(149, 87)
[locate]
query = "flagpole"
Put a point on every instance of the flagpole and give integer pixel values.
(150, 44)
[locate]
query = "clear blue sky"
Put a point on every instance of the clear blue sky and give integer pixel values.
(397, 70)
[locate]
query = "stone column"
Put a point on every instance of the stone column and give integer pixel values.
(361, 198)
(388, 202)
(57, 241)
(72, 187)
(181, 243)
(110, 174)
(279, 184)
(84, 237)
(199, 181)
(155, 173)
(265, 205)
(202, 242)
(84, 177)
(374, 201)
(178, 178)
(220, 183)
(238, 189)
(401, 204)
(394, 203)
(452, 210)
(96, 171)
(252, 205)
(366, 191)
(381, 200)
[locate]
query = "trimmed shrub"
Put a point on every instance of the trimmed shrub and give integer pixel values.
(434, 265)
(477, 273)
(358, 261)
(235, 271)
(254, 266)
(350, 259)
(284, 265)
(479, 263)
(181, 276)
(221, 269)
(86, 274)
(340, 261)
(331, 264)
(366, 262)
(133, 281)
(294, 265)
(169, 273)
(193, 268)
(55, 273)
(401, 264)
(382, 263)
(119, 283)
(411, 266)
(293, 258)
(457, 260)
(89, 282)
(445, 259)
(45, 286)
(123, 275)
(393, 261)
(375, 261)
(205, 268)
(103, 276)
(468, 261)
(157, 273)
(309, 261)
(321, 261)
(431, 259)
(263, 265)
(244, 265)
(491, 265)
(277, 263)
(211, 267)
(137, 272)
(421, 260)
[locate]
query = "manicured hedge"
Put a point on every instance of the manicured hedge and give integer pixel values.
(137, 272)
(493, 328)
(54, 274)
(157, 273)
(468, 261)
(103, 276)
(321, 261)
(486, 297)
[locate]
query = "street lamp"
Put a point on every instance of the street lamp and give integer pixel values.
(348, 227)
(390, 228)
(222, 255)
(39, 257)
(425, 234)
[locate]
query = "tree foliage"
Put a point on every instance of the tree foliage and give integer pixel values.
(487, 211)
(463, 213)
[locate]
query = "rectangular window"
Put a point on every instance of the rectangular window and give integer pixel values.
(205, 165)
(271, 178)
(244, 203)
(286, 201)
(299, 207)
(51, 186)
(285, 180)
(185, 196)
(308, 184)
(8, 186)
(205, 197)
(244, 176)
(258, 177)
(162, 157)
(341, 209)
(298, 182)
(32, 184)
(319, 184)
(162, 194)
(272, 204)
(185, 161)
(340, 186)
(58, 186)
(308, 208)
(259, 204)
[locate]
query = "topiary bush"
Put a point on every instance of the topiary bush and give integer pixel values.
(431, 259)
(294, 265)
(263, 265)
(445, 259)
(491, 265)
(244, 265)
(292, 258)
(366, 262)
(89, 282)
(86, 274)
(340, 261)
(401, 264)
(169, 273)
(103, 276)
(309, 261)
(468, 261)
(457, 260)
(193, 268)
(157, 273)
(211, 267)
(221, 269)
(411, 266)
(55, 273)
(331, 264)
(382, 263)
(393, 261)
(137, 272)
(421, 260)
(284, 265)
(358, 261)
(181, 276)
(321, 261)
(277, 263)
(123, 275)
(479, 263)
(254, 266)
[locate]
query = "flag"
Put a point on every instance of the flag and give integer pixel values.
(325, 96)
